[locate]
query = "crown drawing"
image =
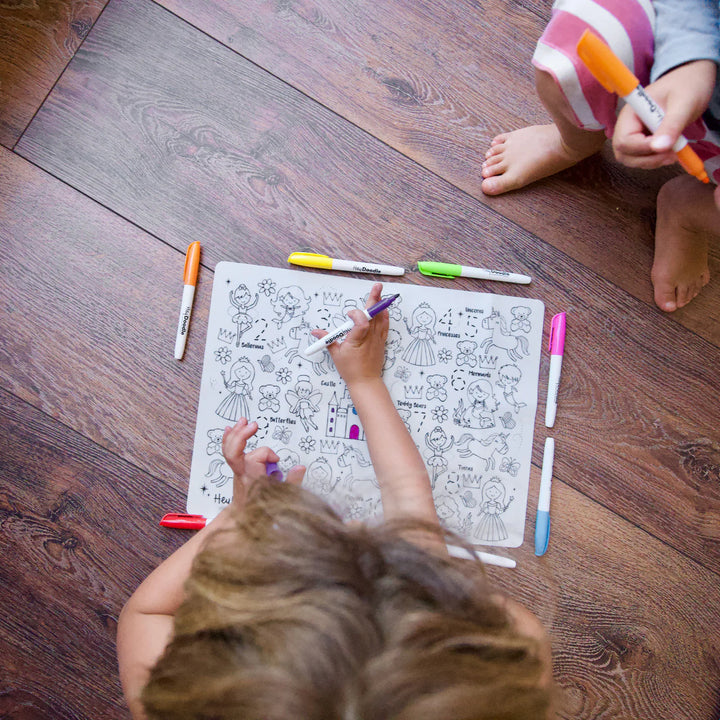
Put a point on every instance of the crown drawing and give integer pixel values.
(276, 344)
(329, 447)
(488, 362)
(470, 480)
(226, 336)
(413, 392)
(332, 297)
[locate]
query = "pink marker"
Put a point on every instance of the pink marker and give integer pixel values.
(557, 348)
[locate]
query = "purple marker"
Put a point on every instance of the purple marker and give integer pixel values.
(345, 328)
(273, 471)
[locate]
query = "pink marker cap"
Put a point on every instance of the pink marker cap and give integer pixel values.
(557, 334)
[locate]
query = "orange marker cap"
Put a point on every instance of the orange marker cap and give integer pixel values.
(192, 263)
(689, 159)
(605, 65)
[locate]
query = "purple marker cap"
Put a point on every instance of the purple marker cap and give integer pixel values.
(272, 469)
(384, 303)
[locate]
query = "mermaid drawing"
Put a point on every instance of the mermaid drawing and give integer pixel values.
(509, 377)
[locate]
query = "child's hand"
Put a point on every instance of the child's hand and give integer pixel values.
(684, 94)
(251, 467)
(360, 356)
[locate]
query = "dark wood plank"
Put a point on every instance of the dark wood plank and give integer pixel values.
(210, 147)
(438, 81)
(90, 307)
(36, 42)
(79, 533)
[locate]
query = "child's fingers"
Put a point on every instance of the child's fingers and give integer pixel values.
(375, 295)
(359, 331)
(295, 475)
(236, 437)
(261, 455)
(318, 333)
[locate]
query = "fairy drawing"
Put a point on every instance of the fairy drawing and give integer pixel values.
(479, 413)
(238, 383)
(241, 300)
(438, 443)
(508, 379)
(490, 526)
(422, 330)
(289, 303)
(303, 402)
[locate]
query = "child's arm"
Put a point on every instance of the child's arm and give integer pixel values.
(146, 622)
(399, 468)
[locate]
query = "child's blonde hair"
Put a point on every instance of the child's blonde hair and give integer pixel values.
(293, 614)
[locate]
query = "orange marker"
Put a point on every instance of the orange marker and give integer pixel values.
(192, 263)
(612, 74)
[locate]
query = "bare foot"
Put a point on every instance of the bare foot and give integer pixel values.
(686, 217)
(518, 158)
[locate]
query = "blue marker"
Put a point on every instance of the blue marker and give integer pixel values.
(542, 520)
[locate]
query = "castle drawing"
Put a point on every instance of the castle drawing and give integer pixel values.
(342, 419)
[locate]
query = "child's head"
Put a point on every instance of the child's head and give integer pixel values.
(293, 614)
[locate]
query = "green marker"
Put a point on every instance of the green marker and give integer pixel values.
(449, 270)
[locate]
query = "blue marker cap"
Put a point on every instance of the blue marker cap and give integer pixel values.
(542, 532)
(273, 471)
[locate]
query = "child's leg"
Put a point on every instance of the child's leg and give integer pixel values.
(583, 112)
(686, 217)
(518, 158)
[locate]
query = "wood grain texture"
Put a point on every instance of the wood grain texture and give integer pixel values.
(75, 542)
(90, 315)
(438, 81)
(37, 39)
(255, 170)
(633, 623)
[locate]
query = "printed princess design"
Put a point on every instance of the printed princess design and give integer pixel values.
(490, 527)
(422, 330)
(238, 382)
(240, 299)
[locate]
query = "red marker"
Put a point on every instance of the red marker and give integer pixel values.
(184, 521)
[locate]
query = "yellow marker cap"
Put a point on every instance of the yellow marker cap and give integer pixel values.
(313, 260)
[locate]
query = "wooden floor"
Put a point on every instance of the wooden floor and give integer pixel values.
(132, 128)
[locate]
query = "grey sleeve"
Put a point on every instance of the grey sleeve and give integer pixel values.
(685, 30)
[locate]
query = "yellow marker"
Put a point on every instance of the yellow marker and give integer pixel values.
(612, 74)
(323, 262)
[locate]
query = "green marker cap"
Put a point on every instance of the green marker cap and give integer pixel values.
(438, 269)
